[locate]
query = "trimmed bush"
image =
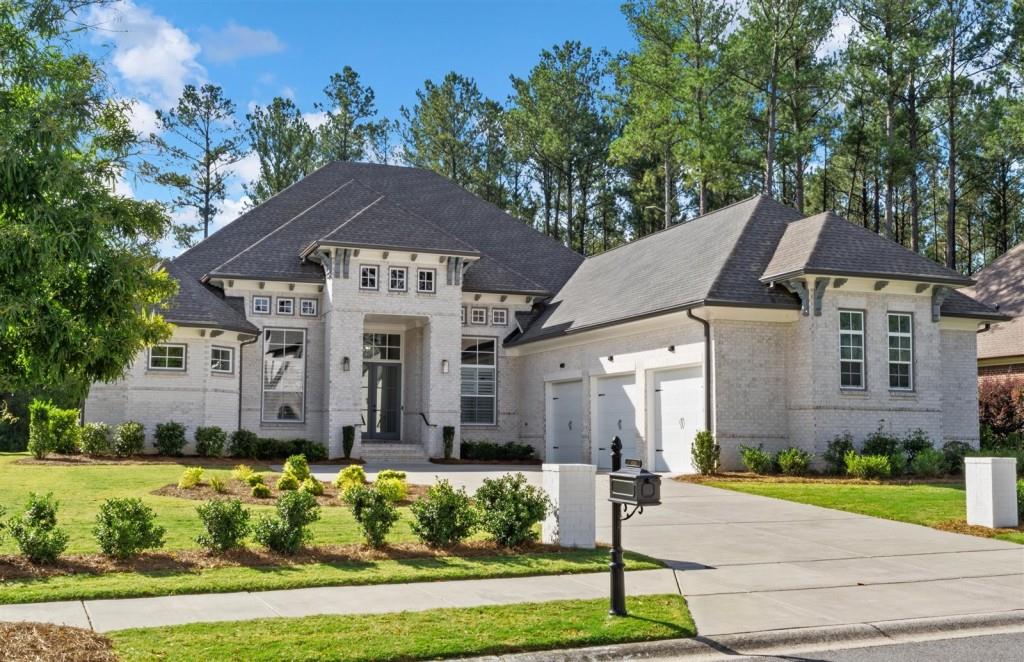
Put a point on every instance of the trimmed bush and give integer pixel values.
(313, 486)
(96, 439)
(351, 476)
(880, 443)
(391, 473)
(190, 478)
(373, 512)
(314, 451)
(953, 453)
(491, 451)
(297, 466)
(125, 527)
(242, 443)
(898, 463)
(225, 525)
(914, 443)
(286, 533)
(287, 483)
(1020, 500)
(705, 453)
(835, 454)
(218, 484)
(210, 441)
(448, 437)
(757, 460)
(129, 439)
(40, 436)
(444, 516)
(793, 461)
(261, 491)
(1001, 404)
(35, 530)
(348, 440)
(868, 466)
(254, 479)
(393, 489)
(928, 463)
(169, 438)
(509, 508)
(65, 432)
(242, 472)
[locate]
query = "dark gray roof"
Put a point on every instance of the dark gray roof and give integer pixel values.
(1001, 284)
(200, 305)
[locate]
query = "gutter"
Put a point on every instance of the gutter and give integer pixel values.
(707, 366)
(241, 347)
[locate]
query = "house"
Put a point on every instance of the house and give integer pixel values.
(390, 299)
(1001, 286)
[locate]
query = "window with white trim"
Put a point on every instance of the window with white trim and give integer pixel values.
(478, 316)
(397, 279)
(425, 280)
(368, 277)
(851, 349)
(261, 305)
(285, 306)
(901, 351)
(284, 375)
(222, 359)
(462, 319)
(479, 381)
(307, 307)
(499, 316)
(167, 357)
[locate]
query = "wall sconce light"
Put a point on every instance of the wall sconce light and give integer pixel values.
(611, 359)
(672, 348)
(444, 366)
(346, 365)
(561, 365)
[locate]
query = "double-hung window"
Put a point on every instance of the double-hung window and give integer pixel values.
(167, 357)
(478, 316)
(222, 360)
(397, 279)
(284, 374)
(479, 381)
(425, 280)
(368, 277)
(307, 307)
(261, 305)
(499, 316)
(901, 351)
(285, 306)
(851, 349)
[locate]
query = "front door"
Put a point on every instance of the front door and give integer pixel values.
(382, 389)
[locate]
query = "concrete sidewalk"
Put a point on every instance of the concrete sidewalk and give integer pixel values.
(109, 615)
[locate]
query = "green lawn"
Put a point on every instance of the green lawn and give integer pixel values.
(928, 504)
(430, 634)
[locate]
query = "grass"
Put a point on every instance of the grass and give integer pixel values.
(929, 504)
(437, 633)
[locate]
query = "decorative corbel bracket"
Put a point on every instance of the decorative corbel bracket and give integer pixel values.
(799, 288)
(820, 285)
(939, 294)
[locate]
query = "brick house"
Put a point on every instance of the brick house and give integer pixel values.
(1001, 286)
(392, 300)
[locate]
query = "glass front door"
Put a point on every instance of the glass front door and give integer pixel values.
(382, 400)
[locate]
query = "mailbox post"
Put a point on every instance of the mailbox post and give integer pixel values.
(632, 486)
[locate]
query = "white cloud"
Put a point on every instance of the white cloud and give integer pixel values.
(315, 120)
(234, 41)
(142, 118)
(288, 92)
(842, 30)
(245, 171)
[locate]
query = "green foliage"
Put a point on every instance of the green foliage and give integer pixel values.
(261, 491)
(242, 472)
(96, 439)
(297, 466)
(835, 454)
(210, 441)
(264, 448)
(242, 443)
(914, 443)
(928, 463)
(373, 512)
(705, 453)
(218, 484)
(348, 128)
(391, 473)
(129, 439)
(35, 530)
(880, 443)
(287, 532)
(313, 486)
(868, 466)
(348, 439)
(169, 438)
(14, 414)
(287, 482)
(448, 435)
(1020, 500)
(125, 527)
(351, 476)
(757, 460)
(490, 451)
(444, 516)
(1017, 453)
(253, 479)
(65, 432)
(393, 489)
(225, 525)
(953, 453)
(284, 145)
(793, 461)
(509, 508)
(190, 478)
(40, 435)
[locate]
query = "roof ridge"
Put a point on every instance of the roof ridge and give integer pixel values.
(761, 199)
(380, 196)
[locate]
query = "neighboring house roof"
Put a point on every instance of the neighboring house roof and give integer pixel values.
(200, 305)
(1001, 286)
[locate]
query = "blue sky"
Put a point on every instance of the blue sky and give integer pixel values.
(259, 49)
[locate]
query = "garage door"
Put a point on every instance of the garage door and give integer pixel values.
(615, 416)
(678, 416)
(565, 429)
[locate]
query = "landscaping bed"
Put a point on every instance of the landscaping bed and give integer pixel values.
(43, 642)
(452, 460)
(241, 491)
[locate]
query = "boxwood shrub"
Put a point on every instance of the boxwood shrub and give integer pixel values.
(225, 525)
(490, 451)
(169, 438)
(125, 527)
(129, 439)
(757, 459)
(210, 441)
(96, 439)
(444, 516)
(509, 508)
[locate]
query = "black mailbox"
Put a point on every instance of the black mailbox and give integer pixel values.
(634, 486)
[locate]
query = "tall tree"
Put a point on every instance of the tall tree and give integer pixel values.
(349, 127)
(284, 144)
(199, 141)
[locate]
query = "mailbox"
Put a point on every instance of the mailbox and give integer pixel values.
(634, 486)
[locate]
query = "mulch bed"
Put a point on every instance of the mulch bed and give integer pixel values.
(961, 526)
(16, 567)
(748, 477)
(42, 642)
(440, 460)
(236, 489)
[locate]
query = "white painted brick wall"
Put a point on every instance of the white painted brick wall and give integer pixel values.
(572, 521)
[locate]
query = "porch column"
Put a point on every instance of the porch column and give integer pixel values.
(442, 341)
(344, 387)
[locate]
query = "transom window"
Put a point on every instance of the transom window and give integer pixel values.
(478, 316)
(368, 277)
(285, 306)
(167, 357)
(382, 347)
(479, 381)
(851, 349)
(499, 316)
(261, 305)
(222, 359)
(425, 280)
(901, 351)
(307, 307)
(397, 277)
(284, 374)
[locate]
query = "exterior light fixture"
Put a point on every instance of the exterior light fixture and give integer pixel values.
(611, 358)
(346, 365)
(444, 366)
(561, 365)
(672, 348)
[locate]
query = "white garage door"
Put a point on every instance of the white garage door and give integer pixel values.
(565, 428)
(678, 416)
(615, 416)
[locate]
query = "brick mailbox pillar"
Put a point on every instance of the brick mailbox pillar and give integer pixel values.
(572, 521)
(991, 491)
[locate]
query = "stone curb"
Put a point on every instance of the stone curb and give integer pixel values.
(767, 642)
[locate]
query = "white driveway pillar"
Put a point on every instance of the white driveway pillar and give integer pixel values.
(991, 491)
(572, 520)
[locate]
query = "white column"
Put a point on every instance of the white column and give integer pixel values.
(442, 341)
(344, 388)
(991, 491)
(572, 520)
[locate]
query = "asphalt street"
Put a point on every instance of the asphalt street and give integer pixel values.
(990, 648)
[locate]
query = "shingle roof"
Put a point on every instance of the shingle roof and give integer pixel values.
(1001, 284)
(200, 305)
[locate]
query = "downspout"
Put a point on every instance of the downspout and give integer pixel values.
(241, 347)
(707, 366)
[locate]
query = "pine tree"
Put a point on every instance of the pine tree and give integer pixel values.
(284, 144)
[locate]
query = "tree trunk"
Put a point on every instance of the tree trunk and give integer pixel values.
(668, 184)
(890, 165)
(912, 139)
(951, 161)
(876, 204)
(773, 102)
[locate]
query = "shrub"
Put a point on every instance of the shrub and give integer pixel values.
(928, 463)
(254, 479)
(391, 473)
(373, 512)
(210, 441)
(297, 466)
(129, 439)
(705, 453)
(218, 484)
(96, 439)
(1001, 404)
(880, 443)
(898, 463)
(40, 435)
(348, 439)
(313, 486)
(1007, 452)
(914, 443)
(793, 461)
(261, 491)
(64, 431)
(287, 483)
(242, 443)
(1020, 500)
(351, 476)
(286, 533)
(169, 438)
(242, 472)
(757, 460)
(509, 507)
(393, 489)
(190, 478)
(125, 527)
(835, 453)
(953, 453)
(444, 516)
(314, 451)
(225, 525)
(489, 451)
(35, 530)
(448, 436)
(867, 466)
